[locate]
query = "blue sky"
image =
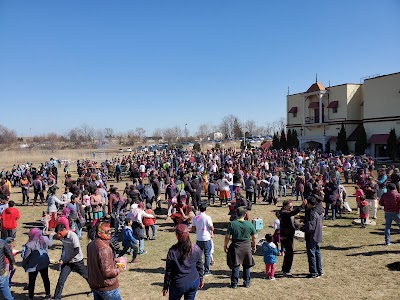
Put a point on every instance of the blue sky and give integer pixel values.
(157, 64)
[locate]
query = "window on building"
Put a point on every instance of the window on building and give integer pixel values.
(295, 115)
(334, 110)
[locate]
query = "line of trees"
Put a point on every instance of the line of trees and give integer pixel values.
(285, 140)
(231, 126)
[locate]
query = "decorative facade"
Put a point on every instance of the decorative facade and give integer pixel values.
(318, 114)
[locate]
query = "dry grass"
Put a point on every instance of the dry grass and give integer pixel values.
(354, 261)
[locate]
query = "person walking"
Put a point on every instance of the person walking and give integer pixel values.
(5, 252)
(36, 260)
(390, 201)
(203, 226)
(102, 268)
(242, 234)
(313, 234)
(184, 267)
(71, 258)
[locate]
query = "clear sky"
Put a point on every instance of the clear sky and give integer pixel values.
(162, 63)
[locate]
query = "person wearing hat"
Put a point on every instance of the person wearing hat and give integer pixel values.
(313, 234)
(241, 233)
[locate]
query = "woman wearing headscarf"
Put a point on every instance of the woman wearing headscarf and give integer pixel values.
(184, 267)
(36, 260)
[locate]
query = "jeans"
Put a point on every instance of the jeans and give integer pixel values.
(44, 273)
(333, 208)
(245, 275)
(66, 269)
(314, 258)
(141, 246)
(188, 291)
(206, 247)
(249, 196)
(153, 229)
(288, 258)
(231, 191)
(107, 295)
(282, 188)
(390, 217)
(25, 195)
(4, 288)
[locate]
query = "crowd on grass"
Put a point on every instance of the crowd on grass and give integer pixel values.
(179, 186)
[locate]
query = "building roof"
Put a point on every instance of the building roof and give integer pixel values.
(333, 104)
(353, 136)
(315, 87)
(313, 105)
(265, 146)
(293, 110)
(378, 138)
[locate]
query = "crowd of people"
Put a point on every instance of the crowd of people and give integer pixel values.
(189, 182)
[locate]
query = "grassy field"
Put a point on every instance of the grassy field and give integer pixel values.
(355, 262)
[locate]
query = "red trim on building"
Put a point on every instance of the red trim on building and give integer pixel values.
(293, 110)
(378, 139)
(333, 104)
(314, 105)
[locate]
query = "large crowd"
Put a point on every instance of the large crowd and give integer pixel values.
(119, 221)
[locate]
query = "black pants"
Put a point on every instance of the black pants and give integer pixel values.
(40, 194)
(287, 244)
(66, 269)
(249, 196)
(44, 273)
(211, 196)
(196, 198)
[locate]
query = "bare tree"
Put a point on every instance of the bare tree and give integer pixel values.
(177, 132)
(169, 135)
(250, 127)
(227, 126)
(157, 132)
(140, 132)
(282, 124)
(108, 133)
(203, 131)
(7, 136)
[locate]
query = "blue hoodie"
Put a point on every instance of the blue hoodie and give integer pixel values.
(270, 251)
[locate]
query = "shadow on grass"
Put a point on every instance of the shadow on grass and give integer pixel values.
(395, 266)
(76, 294)
(220, 227)
(334, 248)
(373, 253)
(29, 225)
(159, 270)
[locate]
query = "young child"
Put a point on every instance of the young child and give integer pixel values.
(86, 205)
(45, 221)
(11, 273)
(269, 251)
(149, 222)
(359, 192)
(363, 207)
(276, 238)
(129, 241)
(211, 192)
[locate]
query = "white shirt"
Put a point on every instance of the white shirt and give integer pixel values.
(203, 224)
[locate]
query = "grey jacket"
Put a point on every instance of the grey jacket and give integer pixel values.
(313, 224)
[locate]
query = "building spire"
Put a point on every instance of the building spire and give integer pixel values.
(316, 77)
(288, 90)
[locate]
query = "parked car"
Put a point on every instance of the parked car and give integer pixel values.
(121, 150)
(129, 149)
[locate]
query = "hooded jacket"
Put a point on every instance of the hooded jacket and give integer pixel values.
(313, 224)
(9, 218)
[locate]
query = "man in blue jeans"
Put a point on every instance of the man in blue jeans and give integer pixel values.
(313, 235)
(102, 269)
(204, 228)
(240, 251)
(390, 201)
(5, 251)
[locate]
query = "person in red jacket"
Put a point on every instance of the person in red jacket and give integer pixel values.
(9, 217)
(149, 222)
